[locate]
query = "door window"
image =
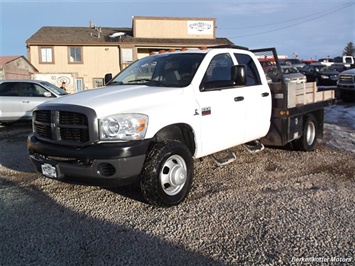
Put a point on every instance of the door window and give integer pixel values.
(218, 73)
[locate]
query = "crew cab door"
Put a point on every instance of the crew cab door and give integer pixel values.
(231, 114)
(222, 109)
(257, 99)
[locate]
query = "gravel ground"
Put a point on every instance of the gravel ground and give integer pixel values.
(277, 207)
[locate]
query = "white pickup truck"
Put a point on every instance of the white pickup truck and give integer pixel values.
(163, 111)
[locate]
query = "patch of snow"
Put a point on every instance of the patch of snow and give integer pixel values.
(339, 126)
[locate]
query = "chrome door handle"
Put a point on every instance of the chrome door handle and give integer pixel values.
(239, 99)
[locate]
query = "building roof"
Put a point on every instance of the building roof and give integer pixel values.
(5, 59)
(103, 36)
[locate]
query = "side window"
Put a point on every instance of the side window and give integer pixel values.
(7, 89)
(25, 89)
(38, 91)
(253, 77)
(220, 68)
(218, 73)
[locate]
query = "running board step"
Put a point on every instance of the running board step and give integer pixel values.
(230, 157)
(254, 146)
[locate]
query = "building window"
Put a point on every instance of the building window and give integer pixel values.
(127, 55)
(98, 82)
(46, 55)
(75, 55)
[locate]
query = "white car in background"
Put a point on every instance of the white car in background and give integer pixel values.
(18, 98)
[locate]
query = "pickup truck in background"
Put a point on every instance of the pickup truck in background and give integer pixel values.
(346, 85)
(163, 111)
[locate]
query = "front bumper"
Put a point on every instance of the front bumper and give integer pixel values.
(106, 164)
(327, 82)
(350, 87)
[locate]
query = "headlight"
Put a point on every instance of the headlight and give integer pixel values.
(123, 127)
(324, 77)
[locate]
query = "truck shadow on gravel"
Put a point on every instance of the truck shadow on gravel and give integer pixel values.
(14, 153)
(130, 191)
(39, 231)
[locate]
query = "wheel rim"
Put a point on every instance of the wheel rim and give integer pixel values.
(311, 133)
(173, 175)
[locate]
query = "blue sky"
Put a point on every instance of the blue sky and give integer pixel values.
(310, 29)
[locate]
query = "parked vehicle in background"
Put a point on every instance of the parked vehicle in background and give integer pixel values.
(289, 74)
(340, 67)
(266, 63)
(321, 74)
(346, 85)
(326, 61)
(297, 63)
(346, 60)
(307, 62)
(18, 98)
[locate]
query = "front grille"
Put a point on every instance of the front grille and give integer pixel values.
(71, 118)
(347, 78)
(43, 116)
(334, 77)
(61, 126)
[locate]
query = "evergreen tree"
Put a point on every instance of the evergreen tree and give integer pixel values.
(349, 49)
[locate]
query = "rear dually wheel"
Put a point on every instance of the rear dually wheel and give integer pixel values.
(309, 135)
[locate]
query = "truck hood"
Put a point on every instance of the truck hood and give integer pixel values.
(349, 71)
(121, 98)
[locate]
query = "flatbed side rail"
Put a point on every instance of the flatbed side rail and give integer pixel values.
(306, 93)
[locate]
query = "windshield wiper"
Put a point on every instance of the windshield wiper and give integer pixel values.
(147, 82)
(151, 82)
(115, 83)
(139, 80)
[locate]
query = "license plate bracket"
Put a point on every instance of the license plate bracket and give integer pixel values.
(49, 170)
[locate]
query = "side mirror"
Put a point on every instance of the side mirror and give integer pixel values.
(239, 75)
(47, 94)
(108, 77)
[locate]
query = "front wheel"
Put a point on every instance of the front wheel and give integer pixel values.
(167, 174)
(309, 135)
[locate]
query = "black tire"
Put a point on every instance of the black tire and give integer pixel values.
(347, 96)
(309, 135)
(167, 174)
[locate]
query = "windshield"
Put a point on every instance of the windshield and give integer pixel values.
(168, 70)
(324, 68)
(289, 70)
(53, 89)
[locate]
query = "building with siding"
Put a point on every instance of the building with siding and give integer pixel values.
(81, 56)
